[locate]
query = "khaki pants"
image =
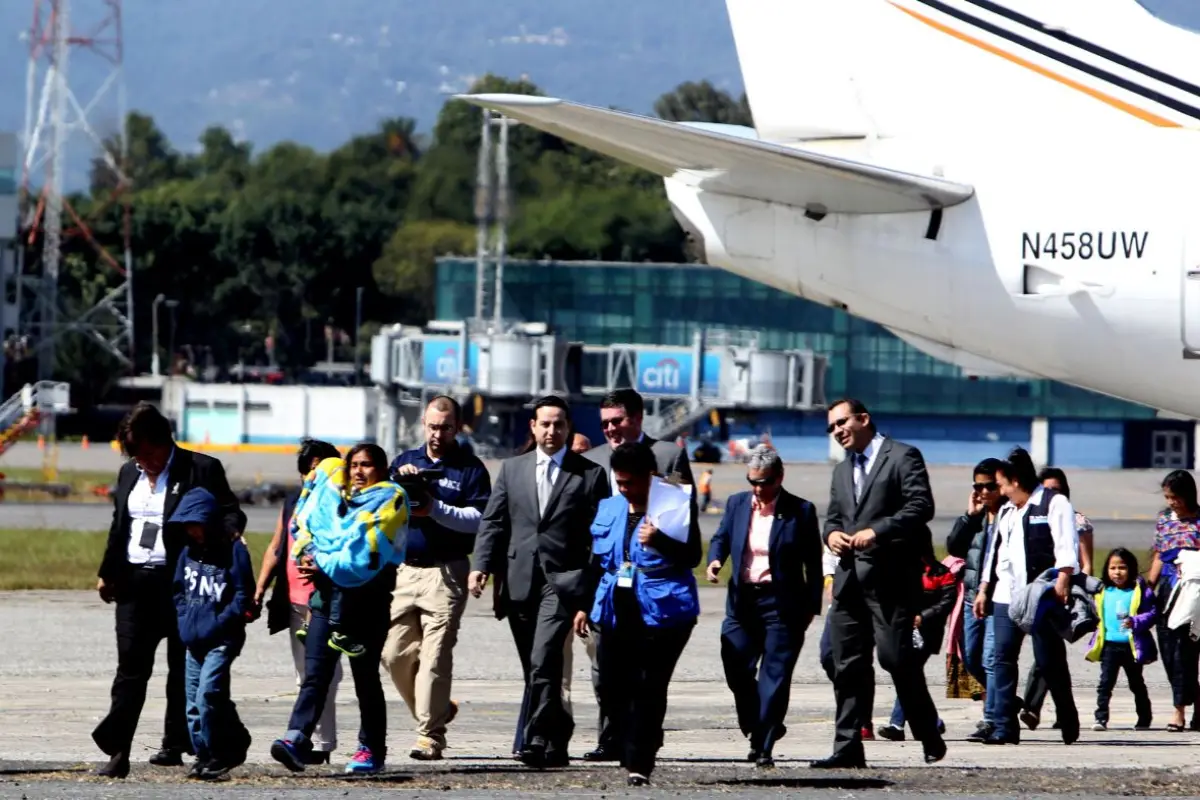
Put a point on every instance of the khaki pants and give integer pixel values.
(427, 607)
(324, 738)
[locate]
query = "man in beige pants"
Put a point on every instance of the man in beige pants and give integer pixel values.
(431, 584)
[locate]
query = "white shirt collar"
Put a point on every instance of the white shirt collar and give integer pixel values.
(557, 458)
(166, 468)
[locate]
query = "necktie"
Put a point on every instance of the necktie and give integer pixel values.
(545, 486)
(860, 475)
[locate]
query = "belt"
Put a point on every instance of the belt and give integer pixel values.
(149, 567)
(766, 586)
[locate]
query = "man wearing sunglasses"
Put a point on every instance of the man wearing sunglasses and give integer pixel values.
(877, 524)
(969, 539)
(622, 413)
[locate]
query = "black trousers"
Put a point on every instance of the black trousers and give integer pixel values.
(1117, 656)
(1180, 658)
(856, 618)
(1036, 688)
(759, 649)
(636, 664)
(145, 616)
(540, 626)
(604, 730)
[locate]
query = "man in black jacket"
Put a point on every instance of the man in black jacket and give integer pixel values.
(877, 523)
(139, 563)
(969, 540)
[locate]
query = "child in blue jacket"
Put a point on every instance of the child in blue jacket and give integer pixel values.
(214, 590)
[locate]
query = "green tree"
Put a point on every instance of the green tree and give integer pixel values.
(407, 270)
(703, 102)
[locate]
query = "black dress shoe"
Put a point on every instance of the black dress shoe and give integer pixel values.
(753, 755)
(982, 731)
(837, 761)
(316, 758)
(600, 754)
(996, 738)
(534, 756)
(935, 751)
(635, 779)
(766, 761)
(117, 767)
(1070, 733)
(167, 758)
(556, 758)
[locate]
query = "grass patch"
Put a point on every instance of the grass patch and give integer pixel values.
(57, 559)
(82, 484)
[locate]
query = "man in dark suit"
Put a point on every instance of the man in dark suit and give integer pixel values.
(880, 505)
(137, 570)
(775, 589)
(622, 413)
(536, 532)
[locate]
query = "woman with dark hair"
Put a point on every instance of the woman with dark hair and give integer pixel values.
(1035, 533)
(1178, 528)
(287, 610)
(1035, 686)
(350, 523)
(646, 606)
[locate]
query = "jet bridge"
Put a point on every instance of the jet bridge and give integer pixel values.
(497, 373)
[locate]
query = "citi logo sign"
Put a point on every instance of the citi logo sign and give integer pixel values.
(446, 367)
(663, 375)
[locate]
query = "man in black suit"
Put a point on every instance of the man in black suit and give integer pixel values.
(622, 413)
(137, 570)
(775, 587)
(536, 532)
(880, 505)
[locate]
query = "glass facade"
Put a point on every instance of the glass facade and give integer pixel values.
(665, 304)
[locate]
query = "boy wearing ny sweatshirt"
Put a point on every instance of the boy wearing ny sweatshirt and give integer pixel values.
(214, 590)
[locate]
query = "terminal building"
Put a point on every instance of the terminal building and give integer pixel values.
(648, 310)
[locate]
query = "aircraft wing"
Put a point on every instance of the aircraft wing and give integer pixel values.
(732, 165)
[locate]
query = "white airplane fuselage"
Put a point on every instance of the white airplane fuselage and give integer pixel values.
(1009, 185)
(1070, 262)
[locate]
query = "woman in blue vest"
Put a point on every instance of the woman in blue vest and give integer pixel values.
(646, 605)
(1034, 532)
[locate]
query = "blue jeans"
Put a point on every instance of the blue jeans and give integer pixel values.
(979, 653)
(1050, 654)
(371, 624)
(217, 732)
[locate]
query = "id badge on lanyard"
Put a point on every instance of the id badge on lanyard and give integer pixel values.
(625, 576)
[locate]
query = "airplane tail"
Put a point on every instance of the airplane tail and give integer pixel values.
(837, 69)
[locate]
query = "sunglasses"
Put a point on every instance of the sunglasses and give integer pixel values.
(990, 486)
(837, 423)
(760, 481)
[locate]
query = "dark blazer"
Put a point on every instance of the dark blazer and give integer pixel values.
(795, 551)
(513, 538)
(670, 458)
(897, 504)
(188, 470)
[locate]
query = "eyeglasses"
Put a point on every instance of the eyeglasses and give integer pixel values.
(990, 486)
(837, 423)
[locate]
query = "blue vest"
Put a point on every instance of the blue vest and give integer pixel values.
(666, 592)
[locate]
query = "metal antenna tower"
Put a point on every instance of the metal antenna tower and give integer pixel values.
(88, 33)
(493, 206)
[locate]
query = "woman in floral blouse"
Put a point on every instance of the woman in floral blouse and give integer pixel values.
(1178, 529)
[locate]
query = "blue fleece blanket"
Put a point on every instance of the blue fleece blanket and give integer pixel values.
(351, 535)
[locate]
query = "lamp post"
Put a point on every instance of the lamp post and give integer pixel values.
(154, 362)
(172, 305)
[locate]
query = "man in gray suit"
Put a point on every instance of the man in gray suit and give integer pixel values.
(880, 505)
(536, 531)
(621, 415)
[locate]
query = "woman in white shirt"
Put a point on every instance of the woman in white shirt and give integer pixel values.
(1035, 532)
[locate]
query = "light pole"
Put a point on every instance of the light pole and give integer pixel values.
(171, 304)
(154, 362)
(357, 330)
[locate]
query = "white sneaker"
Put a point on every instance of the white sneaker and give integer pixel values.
(1099, 727)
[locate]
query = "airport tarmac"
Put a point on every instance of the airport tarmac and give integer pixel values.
(59, 656)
